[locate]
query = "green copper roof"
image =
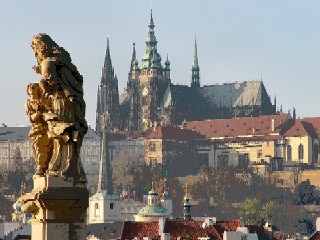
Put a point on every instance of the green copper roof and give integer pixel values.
(103, 194)
(153, 210)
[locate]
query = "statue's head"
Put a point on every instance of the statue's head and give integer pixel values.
(44, 47)
(33, 89)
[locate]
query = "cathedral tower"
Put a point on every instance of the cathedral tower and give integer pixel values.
(154, 80)
(108, 96)
(133, 90)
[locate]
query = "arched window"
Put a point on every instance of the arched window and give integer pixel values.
(315, 155)
(289, 153)
(96, 210)
(300, 151)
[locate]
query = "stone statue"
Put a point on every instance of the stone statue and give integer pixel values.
(56, 109)
(42, 146)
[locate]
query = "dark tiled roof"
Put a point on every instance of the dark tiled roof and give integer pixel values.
(233, 94)
(105, 230)
(21, 133)
(315, 121)
(14, 133)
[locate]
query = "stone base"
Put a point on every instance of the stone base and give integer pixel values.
(58, 207)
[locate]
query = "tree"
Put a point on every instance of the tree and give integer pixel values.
(250, 210)
(270, 212)
(304, 193)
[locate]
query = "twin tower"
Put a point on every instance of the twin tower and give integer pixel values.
(138, 108)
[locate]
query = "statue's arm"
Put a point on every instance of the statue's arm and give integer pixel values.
(32, 113)
(48, 80)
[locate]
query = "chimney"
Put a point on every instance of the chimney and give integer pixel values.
(162, 222)
(272, 125)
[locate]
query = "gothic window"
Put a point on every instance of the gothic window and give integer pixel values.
(111, 205)
(300, 151)
(289, 153)
(315, 156)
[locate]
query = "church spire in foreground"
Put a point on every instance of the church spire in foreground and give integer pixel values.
(105, 182)
(195, 78)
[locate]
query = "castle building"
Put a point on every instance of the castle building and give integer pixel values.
(152, 99)
(108, 96)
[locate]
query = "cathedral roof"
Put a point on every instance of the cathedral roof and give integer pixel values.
(234, 94)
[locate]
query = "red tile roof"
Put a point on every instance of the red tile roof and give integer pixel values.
(315, 236)
(301, 128)
(238, 126)
(190, 230)
(186, 229)
(174, 133)
(140, 229)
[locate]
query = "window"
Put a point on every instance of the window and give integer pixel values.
(153, 147)
(300, 151)
(111, 205)
(96, 210)
(289, 153)
(153, 162)
(259, 153)
(315, 151)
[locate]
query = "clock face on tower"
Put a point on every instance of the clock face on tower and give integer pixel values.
(145, 91)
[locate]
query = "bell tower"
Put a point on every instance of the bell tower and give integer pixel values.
(153, 79)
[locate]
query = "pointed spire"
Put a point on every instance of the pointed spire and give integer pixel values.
(151, 45)
(195, 55)
(107, 59)
(151, 23)
(195, 78)
(105, 182)
(167, 62)
(133, 58)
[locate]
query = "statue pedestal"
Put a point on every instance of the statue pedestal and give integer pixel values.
(58, 207)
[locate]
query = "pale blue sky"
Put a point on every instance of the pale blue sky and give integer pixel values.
(237, 41)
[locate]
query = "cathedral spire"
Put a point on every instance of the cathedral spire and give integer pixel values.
(151, 46)
(105, 173)
(133, 58)
(107, 67)
(151, 23)
(195, 79)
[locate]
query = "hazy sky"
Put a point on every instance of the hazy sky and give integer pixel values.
(238, 40)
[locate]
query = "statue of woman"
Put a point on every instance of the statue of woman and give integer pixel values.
(61, 86)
